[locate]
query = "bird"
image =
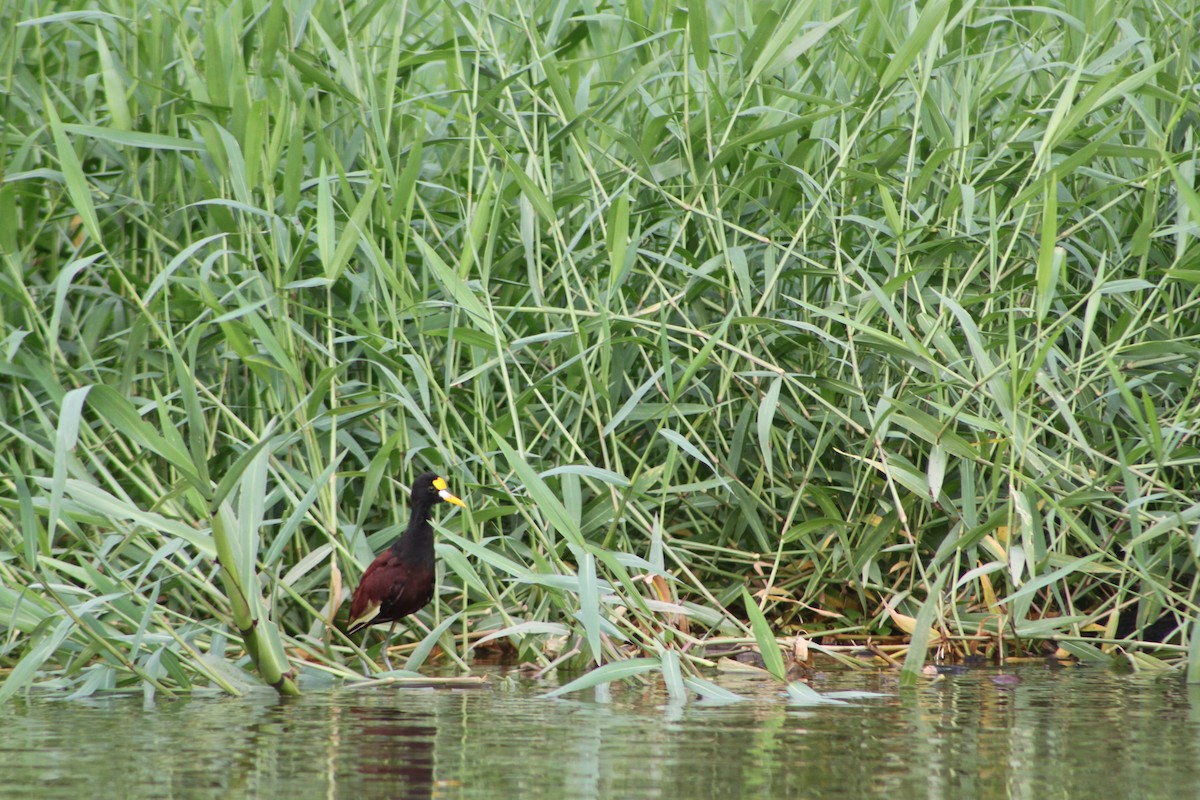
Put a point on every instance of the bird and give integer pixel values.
(400, 579)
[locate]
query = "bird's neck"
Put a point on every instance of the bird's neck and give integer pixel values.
(417, 542)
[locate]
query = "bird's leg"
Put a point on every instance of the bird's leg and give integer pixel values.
(366, 660)
(387, 662)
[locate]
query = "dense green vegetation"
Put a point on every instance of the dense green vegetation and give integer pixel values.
(878, 320)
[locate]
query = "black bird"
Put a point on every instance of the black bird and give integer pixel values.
(400, 579)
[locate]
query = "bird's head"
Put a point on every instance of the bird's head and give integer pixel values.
(429, 487)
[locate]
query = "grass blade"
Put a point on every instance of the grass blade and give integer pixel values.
(771, 654)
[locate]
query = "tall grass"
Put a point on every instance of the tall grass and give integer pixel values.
(887, 314)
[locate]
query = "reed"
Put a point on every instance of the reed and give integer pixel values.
(884, 318)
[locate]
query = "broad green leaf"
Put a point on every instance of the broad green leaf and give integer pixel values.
(921, 36)
(464, 298)
(936, 472)
(686, 446)
(545, 499)
(802, 694)
(771, 655)
(616, 671)
(69, 419)
(114, 85)
(673, 675)
(138, 139)
(589, 603)
(426, 645)
(918, 642)
(77, 183)
(711, 692)
(532, 627)
(697, 21)
(766, 418)
(1050, 255)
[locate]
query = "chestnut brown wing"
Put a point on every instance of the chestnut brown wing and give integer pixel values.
(391, 588)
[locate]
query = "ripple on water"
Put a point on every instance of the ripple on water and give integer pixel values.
(1039, 733)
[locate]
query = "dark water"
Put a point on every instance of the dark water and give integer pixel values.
(1061, 733)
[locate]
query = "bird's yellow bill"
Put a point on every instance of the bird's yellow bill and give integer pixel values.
(443, 488)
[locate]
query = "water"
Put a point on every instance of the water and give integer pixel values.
(1055, 733)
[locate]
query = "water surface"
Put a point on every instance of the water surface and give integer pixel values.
(1073, 732)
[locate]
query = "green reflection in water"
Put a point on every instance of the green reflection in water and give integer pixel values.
(1056, 733)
